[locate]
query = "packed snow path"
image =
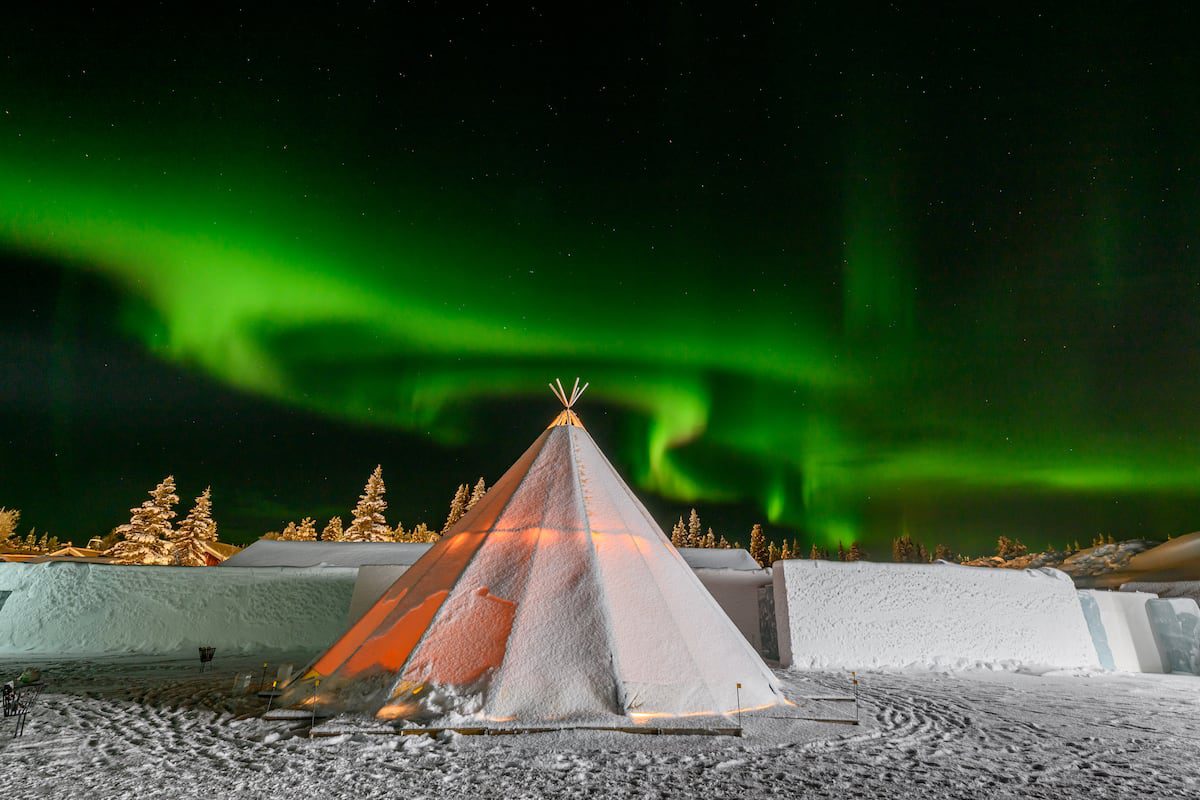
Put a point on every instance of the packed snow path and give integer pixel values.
(160, 729)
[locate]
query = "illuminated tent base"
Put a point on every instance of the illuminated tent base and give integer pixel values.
(556, 599)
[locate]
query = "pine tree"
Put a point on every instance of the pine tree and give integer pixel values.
(148, 532)
(814, 554)
(710, 539)
(399, 534)
(290, 533)
(1010, 548)
(695, 533)
(841, 551)
(905, 550)
(369, 524)
(679, 534)
(922, 556)
(30, 543)
(333, 530)
(458, 506)
(785, 553)
(421, 533)
(477, 493)
(942, 552)
(772, 554)
(9, 519)
(855, 553)
(758, 546)
(724, 543)
(196, 530)
(307, 530)
(52, 544)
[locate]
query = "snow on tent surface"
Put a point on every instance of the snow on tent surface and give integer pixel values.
(556, 599)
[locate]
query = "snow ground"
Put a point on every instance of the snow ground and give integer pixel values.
(157, 728)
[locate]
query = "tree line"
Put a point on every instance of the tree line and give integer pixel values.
(368, 522)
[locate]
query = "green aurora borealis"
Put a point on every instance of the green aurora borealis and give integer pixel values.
(851, 289)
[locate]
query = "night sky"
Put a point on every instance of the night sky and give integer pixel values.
(853, 276)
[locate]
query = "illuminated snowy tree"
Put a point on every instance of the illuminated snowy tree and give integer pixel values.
(458, 507)
(477, 493)
(306, 531)
(679, 534)
(710, 539)
(146, 537)
(814, 554)
(724, 543)
(196, 530)
(421, 533)
(333, 531)
(695, 533)
(855, 553)
(9, 519)
(369, 524)
(758, 546)
(290, 533)
(785, 552)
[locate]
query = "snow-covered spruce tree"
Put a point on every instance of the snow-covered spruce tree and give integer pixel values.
(29, 543)
(196, 530)
(710, 540)
(785, 553)
(290, 533)
(146, 537)
(679, 534)
(477, 493)
(333, 531)
(421, 533)
(52, 544)
(695, 533)
(772, 554)
(369, 524)
(307, 530)
(758, 546)
(43, 544)
(814, 554)
(399, 534)
(9, 519)
(458, 506)
(725, 544)
(841, 551)
(855, 553)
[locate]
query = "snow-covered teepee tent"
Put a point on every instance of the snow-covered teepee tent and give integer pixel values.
(555, 599)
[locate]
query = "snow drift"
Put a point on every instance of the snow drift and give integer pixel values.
(62, 607)
(863, 614)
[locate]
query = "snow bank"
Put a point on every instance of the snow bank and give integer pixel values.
(274, 553)
(863, 614)
(1166, 588)
(710, 558)
(1127, 629)
(62, 607)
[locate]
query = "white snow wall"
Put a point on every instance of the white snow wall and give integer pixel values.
(834, 615)
(63, 607)
(1127, 630)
